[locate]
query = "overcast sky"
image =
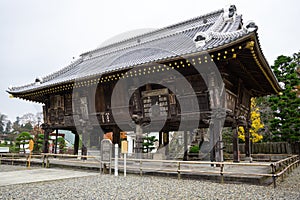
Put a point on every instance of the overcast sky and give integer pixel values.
(40, 37)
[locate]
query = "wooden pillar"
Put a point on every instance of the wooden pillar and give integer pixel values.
(235, 142)
(212, 143)
(217, 104)
(238, 103)
(116, 136)
(139, 141)
(46, 142)
(76, 143)
(84, 141)
(47, 131)
(101, 136)
(190, 134)
(166, 144)
(185, 141)
(247, 142)
(185, 145)
(94, 138)
(160, 138)
(86, 138)
(217, 140)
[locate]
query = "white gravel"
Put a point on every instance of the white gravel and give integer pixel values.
(149, 187)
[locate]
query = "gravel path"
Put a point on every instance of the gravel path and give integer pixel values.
(148, 187)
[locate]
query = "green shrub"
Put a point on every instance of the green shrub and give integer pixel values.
(194, 149)
(14, 149)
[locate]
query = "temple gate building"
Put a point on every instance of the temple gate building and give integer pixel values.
(200, 73)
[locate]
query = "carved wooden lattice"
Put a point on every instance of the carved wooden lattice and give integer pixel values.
(56, 111)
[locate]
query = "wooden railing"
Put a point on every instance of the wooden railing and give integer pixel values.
(276, 169)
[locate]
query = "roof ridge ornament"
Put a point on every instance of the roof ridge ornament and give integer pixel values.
(201, 38)
(38, 80)
(251, 26)
(229, 12)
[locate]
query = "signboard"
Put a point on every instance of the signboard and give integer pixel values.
(31, 145)
(106, 150)
(124, 147)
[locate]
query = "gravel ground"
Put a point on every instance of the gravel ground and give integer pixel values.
(148, 187)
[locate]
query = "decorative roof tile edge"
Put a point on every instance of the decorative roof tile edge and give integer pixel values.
(46, 78)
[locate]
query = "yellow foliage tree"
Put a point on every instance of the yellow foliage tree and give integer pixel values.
(256, 125)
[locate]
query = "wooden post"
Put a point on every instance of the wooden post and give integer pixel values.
(221, 172)
(178, 170)
(212, 143)
(56, 137)
(141, 168)
(166, 143)
(116, 136)
(235, 142)
(47, 161)
(273, 174)
(139, 141)
(47, 131)
(85, 139)
(76, 143)
(219, 142)
(43, 163)
(185, 138)
(247, 142)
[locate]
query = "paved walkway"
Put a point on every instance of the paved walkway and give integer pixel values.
(39, 174)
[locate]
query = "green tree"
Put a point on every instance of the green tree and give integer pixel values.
(256, 124)
(266, 115)
(61, 144)
(148, 144)
(2, 122)
(23, 139)
(285, 125)
(8, 127)
(27, 127)
(38, 143)
(16, 126)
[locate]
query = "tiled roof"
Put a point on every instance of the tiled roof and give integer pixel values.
(195, 35)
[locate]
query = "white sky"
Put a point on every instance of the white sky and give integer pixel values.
(40, 37)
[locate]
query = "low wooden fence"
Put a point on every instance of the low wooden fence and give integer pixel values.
(268, 148)
(276, 169)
